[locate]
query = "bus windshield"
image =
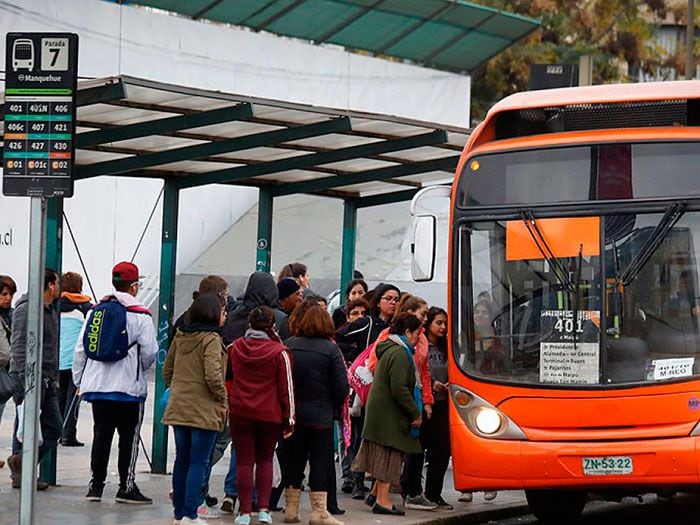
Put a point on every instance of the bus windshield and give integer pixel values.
(586, 300)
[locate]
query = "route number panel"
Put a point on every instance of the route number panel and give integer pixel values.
(39, 120)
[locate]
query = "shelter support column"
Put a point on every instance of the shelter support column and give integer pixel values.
(54, 260)
(264, 245)
(166, 306)
(349, 235)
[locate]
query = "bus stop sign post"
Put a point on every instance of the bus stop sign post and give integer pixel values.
(38, 157)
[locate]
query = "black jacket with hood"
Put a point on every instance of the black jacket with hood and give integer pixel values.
(260, 291)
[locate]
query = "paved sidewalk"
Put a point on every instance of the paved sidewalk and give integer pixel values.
(66, 503)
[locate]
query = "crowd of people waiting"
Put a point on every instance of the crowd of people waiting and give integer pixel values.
(272, 374)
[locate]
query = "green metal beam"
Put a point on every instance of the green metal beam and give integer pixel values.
(54, 259)
(95, 95)
(386, 198)
(403, 170)
(264, 244)
(268, 138)
(347, 266)
(164, 126)
(315, 159)
(166, 306)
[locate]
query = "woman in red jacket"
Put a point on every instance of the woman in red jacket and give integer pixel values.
(261, 402)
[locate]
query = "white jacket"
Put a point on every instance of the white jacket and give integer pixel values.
(124, 378)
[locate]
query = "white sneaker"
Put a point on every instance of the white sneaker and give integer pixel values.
(207, 513)
(466, 497)
(490, 495)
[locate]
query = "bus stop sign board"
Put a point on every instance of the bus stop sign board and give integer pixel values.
(40, 86)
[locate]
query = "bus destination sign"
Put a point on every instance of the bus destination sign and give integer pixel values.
(39, 114)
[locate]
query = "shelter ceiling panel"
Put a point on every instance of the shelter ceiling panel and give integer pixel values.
(386, 127)
(360, 164)
(191, 166)
(313, 18)
(431, 177)
(290, 176)
(119, 115)
(456, 53)
(173, 99)
(236, 128)
(422, 153)
(290, 116)
(335, 141)
(374, 30)
(425, 40)
(153, 143)
(84, 156)
(367, 187)
(264, 154)
(457, 139)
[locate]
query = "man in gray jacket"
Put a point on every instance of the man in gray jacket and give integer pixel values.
(50, 414)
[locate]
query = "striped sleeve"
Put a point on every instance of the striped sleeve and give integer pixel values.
(285, 388)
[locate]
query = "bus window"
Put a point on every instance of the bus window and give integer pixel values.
(544, 320)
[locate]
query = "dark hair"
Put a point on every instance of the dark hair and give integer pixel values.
(352, 285)
(404, 322)
(122, 286)
(206, 309)
(355, 303)
(292, 271)
(212, 284)
(299, 313)
(433, 312)
(50, 277)
(71, 282)
(262, 318)
(316, 323)
(8, 282)
(376, 295)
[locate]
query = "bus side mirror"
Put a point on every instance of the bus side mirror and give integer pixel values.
(423, 248)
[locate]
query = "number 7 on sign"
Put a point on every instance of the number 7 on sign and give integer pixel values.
(54, 54)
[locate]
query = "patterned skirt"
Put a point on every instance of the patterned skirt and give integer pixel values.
(381, 462)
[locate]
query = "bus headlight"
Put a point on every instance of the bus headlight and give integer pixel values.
(482, 418)
(487, 420)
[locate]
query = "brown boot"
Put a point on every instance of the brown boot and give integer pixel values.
(291, 505)
(319, 512)
(15, 464)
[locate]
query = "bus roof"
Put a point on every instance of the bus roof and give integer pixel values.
(602, 94)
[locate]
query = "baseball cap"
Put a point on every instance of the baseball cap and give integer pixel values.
(125, 272)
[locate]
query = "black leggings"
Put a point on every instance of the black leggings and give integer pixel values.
(312, 445)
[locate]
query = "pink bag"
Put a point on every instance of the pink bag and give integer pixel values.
(359, 376)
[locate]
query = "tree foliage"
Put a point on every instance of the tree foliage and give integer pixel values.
(616, 33)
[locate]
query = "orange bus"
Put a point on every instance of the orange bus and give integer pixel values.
(573, 295)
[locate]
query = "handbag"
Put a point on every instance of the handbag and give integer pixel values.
(7, 387)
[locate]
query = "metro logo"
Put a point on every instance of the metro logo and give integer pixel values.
(94, 331)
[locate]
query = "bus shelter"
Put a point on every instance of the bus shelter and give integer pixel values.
(191, 137)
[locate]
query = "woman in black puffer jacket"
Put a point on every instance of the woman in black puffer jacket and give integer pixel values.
(320, 389)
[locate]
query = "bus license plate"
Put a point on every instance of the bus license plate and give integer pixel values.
(607, 466)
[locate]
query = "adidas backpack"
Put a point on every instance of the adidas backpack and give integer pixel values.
(106, 338)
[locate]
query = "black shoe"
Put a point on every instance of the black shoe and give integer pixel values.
(347, 487)
(336, 511)
(94, 493)
(442, 504)
(229, 504)
(211, 501)
(132, 497)
(72, 443)
(358, 493)
(393, 511)
(371, 500)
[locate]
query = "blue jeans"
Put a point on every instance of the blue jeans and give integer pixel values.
(193, 448)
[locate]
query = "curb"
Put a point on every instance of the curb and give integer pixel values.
(481, 516)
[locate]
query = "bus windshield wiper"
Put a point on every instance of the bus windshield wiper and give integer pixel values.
(673, 213)
(541, 243)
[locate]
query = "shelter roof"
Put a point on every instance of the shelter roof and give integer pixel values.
(445, 34)
(140, 128)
